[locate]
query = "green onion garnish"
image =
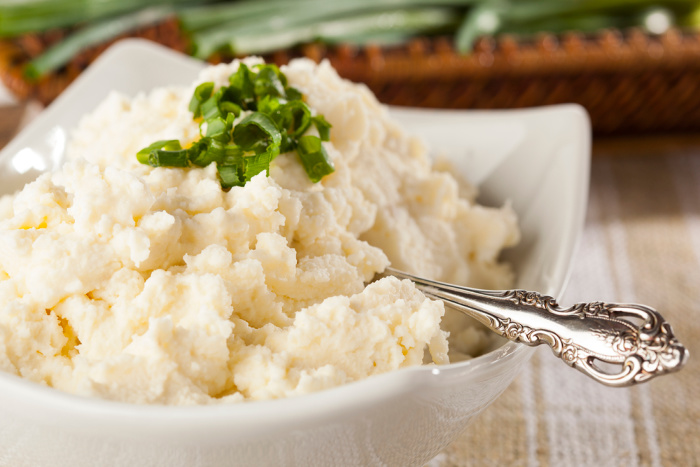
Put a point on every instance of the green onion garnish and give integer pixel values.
(259, 162)
(210, 107)
(256, 132)
(276, 123)
(314, 158)
(242, 87)
(162, 158)
(144, 154)
(201, 94)
(270, 82)
(295, 117)
(228, 175)
(323, 127)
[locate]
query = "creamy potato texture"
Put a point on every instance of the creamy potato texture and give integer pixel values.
(154, 285)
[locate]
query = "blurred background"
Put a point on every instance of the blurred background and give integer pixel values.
(632, 63)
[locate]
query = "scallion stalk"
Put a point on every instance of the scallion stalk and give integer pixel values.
(19, 17)
(257, 40)
(314, 158)
(261, 26)
(283, 13)
(61, 53)
(480, 21)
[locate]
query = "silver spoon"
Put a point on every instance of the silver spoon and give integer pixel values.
(634, 339)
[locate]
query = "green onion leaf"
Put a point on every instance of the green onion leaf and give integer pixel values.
(293, 94)
(209, 150)
(323, 127)
(216, 152)
(228, 175)
(484, 19)
(260, 162)
(201, 94)
(288, 144)
(218, 129)
(256, 133)
(314, 158)
(229, 120)
(269, 105)
(210, 107)
(242, 88)
(230, 108)
(231, 100)
(197, 154)
(295, 117)
(167, 144)
(163, 158)
(59, 54)
(233, 155)
(270, 82)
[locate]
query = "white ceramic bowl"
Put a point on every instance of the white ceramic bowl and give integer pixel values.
(538, 158)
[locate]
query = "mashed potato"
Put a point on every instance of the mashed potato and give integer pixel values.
(153, 285)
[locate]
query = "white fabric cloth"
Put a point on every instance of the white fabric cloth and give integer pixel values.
(641, 244)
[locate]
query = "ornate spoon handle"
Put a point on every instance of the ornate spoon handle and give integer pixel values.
(634, 338)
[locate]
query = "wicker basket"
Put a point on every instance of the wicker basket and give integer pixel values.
(15, 53)
(629, 82)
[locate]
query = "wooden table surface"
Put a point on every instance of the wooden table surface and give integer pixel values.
(9, 119)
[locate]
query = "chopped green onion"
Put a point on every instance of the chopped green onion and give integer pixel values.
(268, 105)
(314, 158)
(210, 107)
(277, 123)
(256, 131)
(230, 108)
(233, 155)
(323, 127)
(168, 144)
(293, 94)
(228, 175)
(259, 162)
(218, 129)
(201, 94)
(215, 152)
(163, 158)
(295, 117)
(199, 155)
(269, 82)
(242, 86)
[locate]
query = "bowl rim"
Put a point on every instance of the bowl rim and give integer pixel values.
(321, 403)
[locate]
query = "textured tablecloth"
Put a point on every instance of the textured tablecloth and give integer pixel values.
(641, 244)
